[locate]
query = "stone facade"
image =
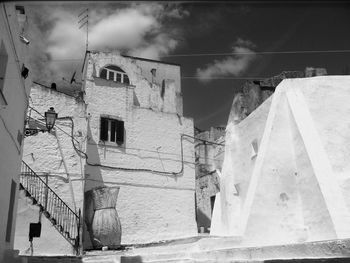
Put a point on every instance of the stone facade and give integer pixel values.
(153, 165)
(207, 181)
(14, 91)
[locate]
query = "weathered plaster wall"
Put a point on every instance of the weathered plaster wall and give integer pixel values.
(326, 97)
(276, 214)
(42, 153)
(295, 188)
(50, 242)
(13, 105)
(148, 90)
(152, 206)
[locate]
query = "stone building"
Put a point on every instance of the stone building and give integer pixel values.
(128, 131)
(14, 91)
(209, 157)
(289, 159)
(207, 147)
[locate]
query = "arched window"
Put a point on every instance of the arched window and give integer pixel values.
(114, 73)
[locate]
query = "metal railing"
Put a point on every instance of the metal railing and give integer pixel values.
(65, 220)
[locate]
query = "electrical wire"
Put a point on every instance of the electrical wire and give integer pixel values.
(130, 148)
(85, 156)
(184, 77)
(55, 126)
(230, 54)
(259, 53)
(234, 53)
(125, 168)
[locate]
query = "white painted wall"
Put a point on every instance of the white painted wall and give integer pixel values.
(151, 206)
(41, 152)
(295, 189)
(15, 91)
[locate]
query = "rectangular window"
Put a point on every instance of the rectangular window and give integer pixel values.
(103, 74)
(20, 9)
(126, 79)
(119, 77)
(10, 211)
(112, 130)
(110, 75)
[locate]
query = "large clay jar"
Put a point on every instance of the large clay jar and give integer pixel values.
(102, 218)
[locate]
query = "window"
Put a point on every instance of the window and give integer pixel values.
(20, 9)
(254, 148)
(10, 211)
(112, 130)
(114, 73)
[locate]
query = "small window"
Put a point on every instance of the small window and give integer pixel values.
(103, 74)
(119, 77)
(254, 149)
(114, 73)
(20, 9)
(126, 79)
(112, 130)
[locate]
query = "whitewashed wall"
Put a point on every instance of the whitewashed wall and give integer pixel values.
(15, 91)
(296, 188)
(151, 206)
(42, 153)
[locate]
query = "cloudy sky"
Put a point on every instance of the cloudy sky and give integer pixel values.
(201, 36)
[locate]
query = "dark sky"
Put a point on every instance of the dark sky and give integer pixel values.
(271, 27)
(165, 30)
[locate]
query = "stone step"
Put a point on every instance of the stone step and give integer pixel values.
(195, 252)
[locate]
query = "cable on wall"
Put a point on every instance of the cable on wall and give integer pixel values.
(85, 156)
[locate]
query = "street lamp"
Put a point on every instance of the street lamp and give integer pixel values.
(50, 118)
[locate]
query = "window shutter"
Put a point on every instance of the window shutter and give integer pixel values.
(120, 132)
(104, 129)
(113, 129)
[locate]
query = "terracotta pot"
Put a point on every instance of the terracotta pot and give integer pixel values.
(102, 218)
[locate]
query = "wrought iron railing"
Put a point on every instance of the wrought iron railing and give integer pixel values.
(65, 220)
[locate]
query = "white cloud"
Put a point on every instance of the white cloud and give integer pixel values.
(124, 29)
(137, 29)
(231, 65)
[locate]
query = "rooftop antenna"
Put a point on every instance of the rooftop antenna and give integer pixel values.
(85, 21)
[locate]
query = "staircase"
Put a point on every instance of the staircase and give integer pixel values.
(63, 218)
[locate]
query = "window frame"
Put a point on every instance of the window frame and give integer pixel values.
(114, 72)
(105, 132)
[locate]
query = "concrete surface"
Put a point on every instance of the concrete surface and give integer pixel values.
(218, 250)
